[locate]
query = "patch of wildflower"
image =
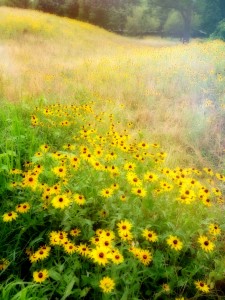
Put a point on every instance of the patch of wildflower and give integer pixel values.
(109, 201)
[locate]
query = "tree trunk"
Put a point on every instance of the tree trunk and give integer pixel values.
(187, 29)
(187, 16)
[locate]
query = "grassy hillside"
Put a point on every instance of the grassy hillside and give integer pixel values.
(111, 163)
(174, 92)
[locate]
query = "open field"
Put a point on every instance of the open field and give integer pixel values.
(111, 163)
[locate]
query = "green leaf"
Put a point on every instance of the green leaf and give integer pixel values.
(68, 290)
(125, 295)
(12, 153)
(4, 168)
(84, 292)
(54, 275)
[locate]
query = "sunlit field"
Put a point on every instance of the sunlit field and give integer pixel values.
(111, 163)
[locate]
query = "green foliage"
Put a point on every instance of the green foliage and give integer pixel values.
(141, 22)
(51, 6)
(72, 8)
(17, 3)
(174, 24)
(137, 17)
(219, 33)
(210, 14)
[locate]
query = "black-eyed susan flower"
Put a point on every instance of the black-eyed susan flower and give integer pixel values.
(40, 276)
(105, 242)
(43, 252)
(106, 284)
(44, 148)
(124, 226)
(58, 237)
(150, 235)
(103, 213)
(38, 154)
(10, 216)
(217, 192)
(60, 201)
(166, 287)
(202, 286)
(79, 199)
(4, 263)
(145, 257)
(129, 166)
(220, 176)
(151, 177)
(206, 244)
(15, 171)
(83, 250)
(125, 236)
(30, 180)
(174, 243)
(123, 197)
(116, 257)
(109, 234)
(133, 179)
(106, 193)
(143, 145)
(23, 207)
(155, 145)
(208, 171)
(60, 171)
(115, 186)
(95, 240)
(75, 232)
(70, 248)
(100, 255)
(214, 229)
(207, 201)
(139, 191)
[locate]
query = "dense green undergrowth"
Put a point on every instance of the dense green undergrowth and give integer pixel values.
(88, 211)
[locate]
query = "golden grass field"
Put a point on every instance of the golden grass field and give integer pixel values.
(174, 93)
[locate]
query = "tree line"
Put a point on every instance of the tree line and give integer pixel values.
(176, 18)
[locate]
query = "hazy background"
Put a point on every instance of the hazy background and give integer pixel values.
(182, 18)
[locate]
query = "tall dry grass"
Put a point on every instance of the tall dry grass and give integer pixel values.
(173, 92)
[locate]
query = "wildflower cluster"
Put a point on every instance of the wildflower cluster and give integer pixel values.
(107, 199)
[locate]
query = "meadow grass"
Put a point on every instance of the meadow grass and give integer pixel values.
(175, 92)
(111, 163)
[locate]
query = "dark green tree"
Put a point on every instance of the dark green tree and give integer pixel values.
(184, 7)
(18, 3)
(52, 6)
(71, 8)
(210, 14)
